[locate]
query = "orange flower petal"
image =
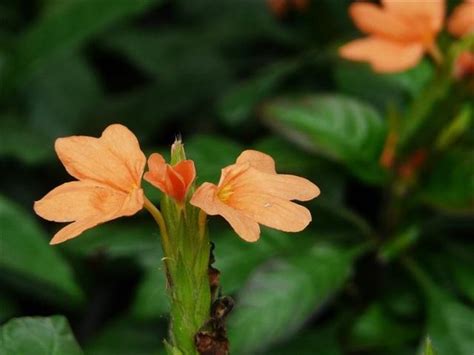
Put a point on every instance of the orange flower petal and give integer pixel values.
(114, 159)
(384, 56)
(186, 170)
(157, 172)
(289, 187)
(372, 19)
(88, 204)
(431, 10)
(272, 211)
(461, 21)
(257, 160)
(172, 180)
(206, 198)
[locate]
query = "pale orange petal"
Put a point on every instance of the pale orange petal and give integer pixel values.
(374, 20)
(431, 10)
(75, 200)
(461, 21)
(258, 160)
(86, 203)
(384, 56)
(272, 211)
(73, 230)
(289, 187)
(114, 159)
(205, 198)
(157, 171)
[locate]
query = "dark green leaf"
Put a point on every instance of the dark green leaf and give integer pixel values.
(66, 28)
(338, 127)
(237, 105)
(126, 337)
(324, 340)
(450, 326)
(117, 239)
(375, 328)
(21, 141)
(287, 291)
(39, 336)
(62, 96)
(382, 90)
(449, 322)
(151, 301)
(450, 183)
(8, 308)
(28, 260)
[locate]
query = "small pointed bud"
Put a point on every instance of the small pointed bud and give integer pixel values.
(177, 151)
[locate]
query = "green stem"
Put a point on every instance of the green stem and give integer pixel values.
(156, 214)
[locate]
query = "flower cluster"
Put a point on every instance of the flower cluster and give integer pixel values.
(109, 173)
(401, 32)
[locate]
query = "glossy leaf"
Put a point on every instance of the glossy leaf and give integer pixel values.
(338, 127)
(39, 336)
(288, 290)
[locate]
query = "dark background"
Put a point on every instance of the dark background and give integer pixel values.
(225, 75)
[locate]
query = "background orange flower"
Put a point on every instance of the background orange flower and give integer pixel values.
(461, 21)
(399, 33)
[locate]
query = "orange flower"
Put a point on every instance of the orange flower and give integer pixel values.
(172, 180)
(464, 65)
(461, 21)
(399, 33)
(251, 192)
(108, 170)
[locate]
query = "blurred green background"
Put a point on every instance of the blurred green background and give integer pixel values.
(374, 273)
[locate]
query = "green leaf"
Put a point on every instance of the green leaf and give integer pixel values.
(151, 301)
(211, 154)
(450, 326)
(287, 291)
(65, 29)
(237, 105)
(341, 128)
(125, 337)
(385, 90)
(8, 308)
(61, 96)
(21, 141)
(29, 262)
(118, 239)
(375, 328)
(450, 183)
(324, 340)
(449, 322)
(39, 336)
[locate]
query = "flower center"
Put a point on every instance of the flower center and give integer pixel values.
(225, 192)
